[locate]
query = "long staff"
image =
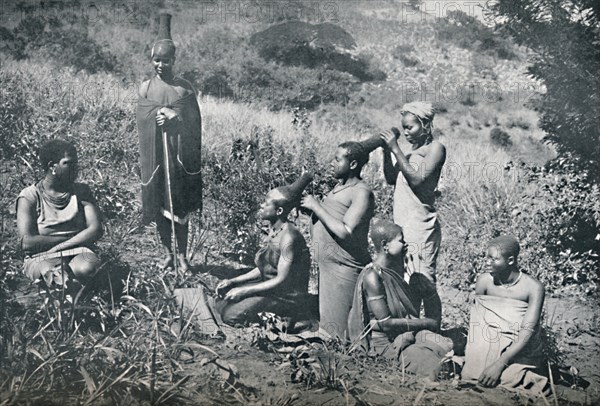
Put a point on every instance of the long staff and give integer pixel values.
(168, 177)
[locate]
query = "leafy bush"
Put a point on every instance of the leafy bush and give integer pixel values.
(500, 137)
(553, 212)
(564, 207)
(235, 185)
(66, 46)
(563, 37)
(467, 32)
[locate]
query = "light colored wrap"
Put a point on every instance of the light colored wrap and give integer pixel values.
(419, 221)
(494, 326)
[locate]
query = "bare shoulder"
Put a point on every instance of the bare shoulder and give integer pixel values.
(371, 279)
(437, 149)
(483, 282)
(291, 235)
(436, 145)
(533, 286)
(362, 191)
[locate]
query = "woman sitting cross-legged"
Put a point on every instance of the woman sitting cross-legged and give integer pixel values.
(279, 283)
(58, 221)
(383, 320)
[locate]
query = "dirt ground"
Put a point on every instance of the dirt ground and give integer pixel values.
(266, 373)
(254, 368)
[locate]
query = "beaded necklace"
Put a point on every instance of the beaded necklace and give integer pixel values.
(508, 285)
(60, 201)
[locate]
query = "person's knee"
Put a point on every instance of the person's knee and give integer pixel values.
(231, 317)
(84, 266)
(240, 313)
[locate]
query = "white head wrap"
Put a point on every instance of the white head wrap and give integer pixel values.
(424, 112)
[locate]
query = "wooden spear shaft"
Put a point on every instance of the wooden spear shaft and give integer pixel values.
(170, 196)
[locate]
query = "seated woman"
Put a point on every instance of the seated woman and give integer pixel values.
(504, 346)
(58, 220)
(384, 320)
(279, 283)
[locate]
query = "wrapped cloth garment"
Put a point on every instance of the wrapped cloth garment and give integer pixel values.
(494, 326)
(184, 140)
(421, 353)
(339, 264)
(56, 217)
(288, 300)
(414, 212)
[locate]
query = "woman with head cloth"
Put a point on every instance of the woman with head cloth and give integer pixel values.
(415, 176)
(279, 283)
(58, 221)
(167, 104)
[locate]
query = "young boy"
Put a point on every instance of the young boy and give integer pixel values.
(339, 234)
(503, 345)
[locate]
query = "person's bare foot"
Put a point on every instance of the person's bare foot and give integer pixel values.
(166, 263)
(183, 263)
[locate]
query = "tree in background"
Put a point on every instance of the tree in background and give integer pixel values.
(564, 36)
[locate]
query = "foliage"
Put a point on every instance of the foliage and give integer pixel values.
(564, 37)
(236, 184)
(224, 64)
(52, 39)
(500, 137)
(567, 223)
(552, 211)
(467, 32)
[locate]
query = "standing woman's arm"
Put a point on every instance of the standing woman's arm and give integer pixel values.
(390, 171)
(432, 162)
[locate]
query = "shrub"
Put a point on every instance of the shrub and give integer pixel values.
(235, 185)
(556, 32)
(467, 32)
(553, 212)
(70, 47)
(500, 137)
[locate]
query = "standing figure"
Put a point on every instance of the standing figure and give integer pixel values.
(415, 176)
(58, 221)
(279, 283)
(171, 179)
(339, 235)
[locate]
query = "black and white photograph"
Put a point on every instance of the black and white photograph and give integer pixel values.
(299, 202)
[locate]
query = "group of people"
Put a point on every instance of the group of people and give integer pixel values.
(387, 305)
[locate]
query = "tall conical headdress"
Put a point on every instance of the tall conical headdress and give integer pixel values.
(371, 144)
(164, 43)
(294, 191)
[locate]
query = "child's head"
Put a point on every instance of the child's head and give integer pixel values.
(387, 237)
(503, 252)
(350, 157)
(417, 121)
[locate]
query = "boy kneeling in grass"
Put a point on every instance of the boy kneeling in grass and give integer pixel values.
(279, 283)
(504, 346)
